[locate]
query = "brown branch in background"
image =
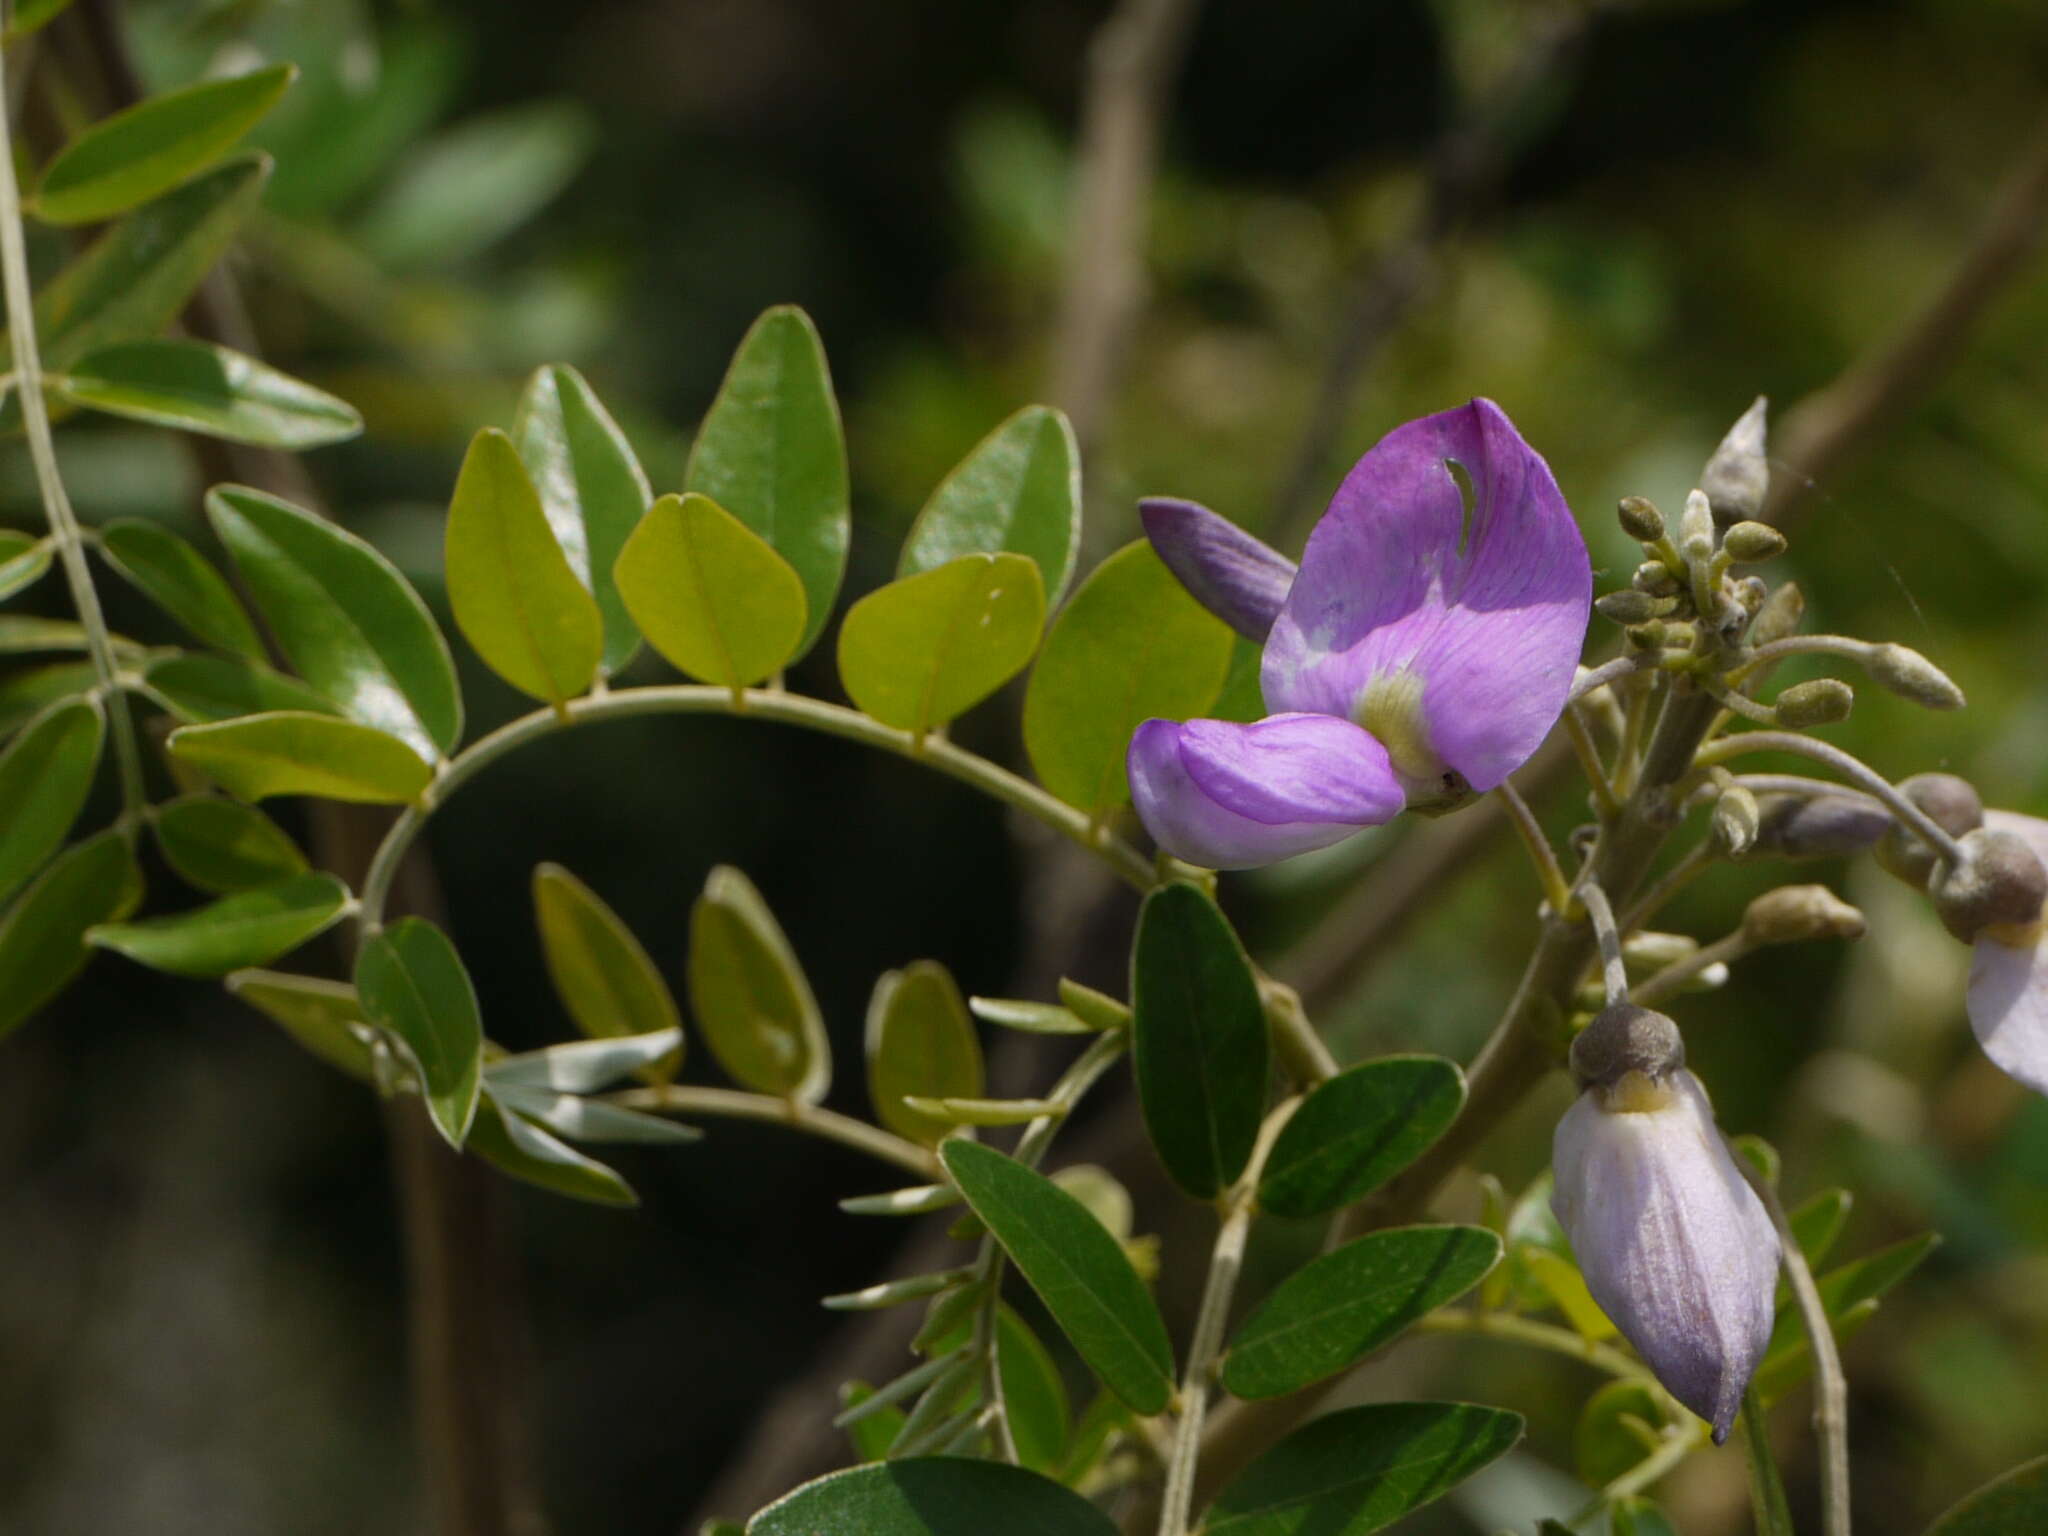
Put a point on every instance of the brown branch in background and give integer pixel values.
(1464, 172)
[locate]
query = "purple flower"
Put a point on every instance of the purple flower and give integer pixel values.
(1419, 655)
(2009, 977)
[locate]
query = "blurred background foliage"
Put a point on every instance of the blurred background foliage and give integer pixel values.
(200, 1314)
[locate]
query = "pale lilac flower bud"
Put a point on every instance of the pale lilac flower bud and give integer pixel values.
(2009, 975)
(1738, 475)
(1674, 1245)
(1951, 803)
(1997, 884)
(1820, 826)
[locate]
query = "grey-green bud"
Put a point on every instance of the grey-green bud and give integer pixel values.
(1735, 821)
(1998, 882)
(1824, 701)
(1648, 950)
(1640, 519)
(1820, 826)
(1912, 676)
(1654, 578)
(1696, 528)
(1622, 1039)
(1627, 606)
(1952, 804)
(1752, 543)
(1780, 614)
(1793, 913)
(1738, 475)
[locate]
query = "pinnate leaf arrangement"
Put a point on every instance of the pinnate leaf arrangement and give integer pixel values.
(1432, 636)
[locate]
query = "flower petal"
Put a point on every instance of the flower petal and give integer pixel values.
(1674, 1244)
(1487, 614)
(1231, 796)
(2009, 1008)
(1230, 573)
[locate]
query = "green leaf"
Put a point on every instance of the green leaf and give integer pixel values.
(224, 846)
(511, 587)
(203, 689)
(600, 972)
(1130, 645)
(45, 775)
(323, 1016)
(872, 1434)
(1034, 1396)
(922, 650)
(1031, 1017)
(920, 1042)
(1620, 1425)
(180, 580)
(1018, 490)
(591, 487)
(716, 601)
(516, 1146)
(155, 145)
(27, 693)
(583, 1066)
(1356, 1470)
(1847, 1285)
(42, 938)
(249, 928)
(29, 15)
(770, 451)
(1818, 1222)
(344, 617)
(1559, 1280)
(1638, 1516)
(581, 1119)
(196, 386)
(21, 633)
(2014, 1504)
(1079, 1271)
(932, 1496)
(749, 993)
(1357, 1130)
(296, 753)
(1341, 1306)
(412, 983)
(1198, 1040)
(23, 561)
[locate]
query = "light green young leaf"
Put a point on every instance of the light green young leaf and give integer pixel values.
(583, 1066)
(23, 561)
(771, 452)
(322, 1016)
(155, 145)
(1018, 490)
(180, 580)
(1130, 645)
(42, 937)
(923, 650)
(224, 846)
(296, 753)
(1357, 1130)
(412, 984)
(591, 487)
(920, 1042)
(750, 996)
(516, 1146)
(511, 587)
(248, 928)
(203, 689)
(716, 601)
(196, 386)
(581, 1119)
(600, 971)
(932, 1496)
(45, 775)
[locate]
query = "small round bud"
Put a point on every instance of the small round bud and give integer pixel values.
(1951, 803)
(1640, 519)
(1824, 701)
(1622, 1039)
(1738, 476)
(1735, 821)
(1779, 616)
(1912, 676)
(1820, 826)
(1998, 883)
(1627, 606)
(1753, 543)
(1793, 913)
(1654, 579)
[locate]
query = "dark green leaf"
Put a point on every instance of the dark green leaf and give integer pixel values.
(1130, 645)
(196, 386)
(710, 595)
(21, 633)
(27, 693)
(1198, 1039)
(23, 561)
(203, 689)
(1818, 1222)
(509, 583)
(295, 753)
(1619, 1426)
(920, 1042)
(1341, 1306)
(591, 486)
(344, 617)
(929, 647)
(749, 993)
(2015, 1504)
(932, 1496)
(249, 928)
(1079, 1271)
(181, 581)
(45, 775)
(42, 938)
(412, 983)
(1358, 1130)
(771, 453)
(1637, 1516)
(517, 1147)
(1018, 490)
(323, 1016)
(223, 846)
(1356, 1470)
(1034, 1396)
(601, 973)
(153, 146)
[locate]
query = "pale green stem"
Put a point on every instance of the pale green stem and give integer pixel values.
(1808, 645)
(1644, 1473)
(1766, 1488)
(1852, 768)
(1725, 950)
(42, 451)
(1694, 863)
(1608, 672)
(1557, 890)
(1524, 1330)
(733, 1104)
(1605, 803)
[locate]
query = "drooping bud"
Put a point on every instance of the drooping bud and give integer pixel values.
(1649, 949)
(1625, 1041)
(1675, 1246)
(2009, 978)
(1753, 543)
(1998, 885)
(1824, 701)
(1794, 913)
(1626, 606)
(1640, 519)
(1820, 826)
(1738, 475)
(1912, 676)
(1653, 578)
(1952, 804)
(1780, 614)
(1735, 821)
(1696, 528)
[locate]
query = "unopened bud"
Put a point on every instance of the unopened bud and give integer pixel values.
(1751, 592)
(1952, 804)
(1640, 519)
(1735, 821)
(1696, 528)
(1820, 826)
(1912, 676)
(1650, 950)
(1824, 701)
(1753, 543)
(1627, 606)
(1738, 475)
(1780, 614)
(1098, 1010)
(1998, 882)
(1654, 578)
(1623, 1039)
(1793, 913)
(1645, 637)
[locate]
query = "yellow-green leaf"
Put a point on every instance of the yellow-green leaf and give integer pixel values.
(749, 993)
(600, 971)
(920, 1043)
(299, 753)
(248, 928)
(323, 1016)
(412, 983)
(23, 561)
(715, 600)
(922, 650)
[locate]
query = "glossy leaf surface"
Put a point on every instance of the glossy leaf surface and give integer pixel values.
(716, 601)
(412, 983)
(224, 846)
(1357, 1130)
(1018, 490)
(749, 993)
(42, 937)
(23, 561)
(583, 1066)
(323, 1016)
(175, 576)
(920, 1042)
(296, 753)
(599, 969)
(45, 775)
(932, 1496)
(516, 1146)
(202, 689)
(925, 649)
(581, 1119)
(196, 386)
(248, 928)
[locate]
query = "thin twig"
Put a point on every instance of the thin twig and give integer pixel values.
(1723, 951)
(1613, 966)
(1556, 889)
(731, 1103)
(1850, 767)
